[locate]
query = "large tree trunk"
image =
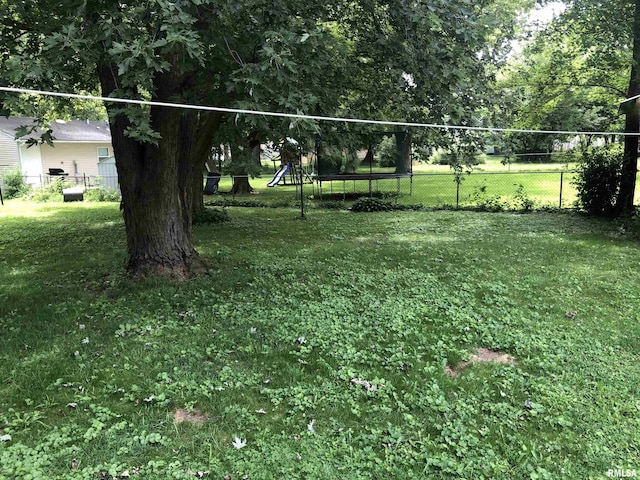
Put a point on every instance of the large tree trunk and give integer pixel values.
(403, 153)
(156, 182)
(208, 124)
(256, 152)
(241, 185)
(624, 202)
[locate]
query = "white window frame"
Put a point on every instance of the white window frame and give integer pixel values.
(101, 157)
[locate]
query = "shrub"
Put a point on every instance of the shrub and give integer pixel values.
(51, 192)
(371, 205)
(448, 158)
(14, 185)
(522, 200)
(388, 152)
(598, 180)
(211, 215)
(330, 162)
(233, 202)
(483, 201)
(102, 195)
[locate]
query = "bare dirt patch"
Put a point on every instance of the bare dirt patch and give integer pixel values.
(194, 417)
(482, 355)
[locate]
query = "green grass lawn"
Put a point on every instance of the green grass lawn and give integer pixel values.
(321, 343)
(431, 189)
(434, 185)
(547, 184)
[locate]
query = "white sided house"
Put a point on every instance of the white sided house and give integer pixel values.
(78, 148)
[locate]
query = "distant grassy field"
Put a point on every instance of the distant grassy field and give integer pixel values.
(434, 185)
(547, 184)
(325, 348)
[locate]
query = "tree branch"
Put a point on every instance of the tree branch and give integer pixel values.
(616, 90)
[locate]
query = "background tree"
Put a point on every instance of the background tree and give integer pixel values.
(391, 59)
(558, 84)
(574, 75)
(611, 40)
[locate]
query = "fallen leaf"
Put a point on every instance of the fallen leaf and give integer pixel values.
(239, 442)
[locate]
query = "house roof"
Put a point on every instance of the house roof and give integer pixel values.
(71, 131)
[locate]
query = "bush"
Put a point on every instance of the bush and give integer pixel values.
(371, 205)
(51, 192)
(211, 215)
(14, 185)
(483, 201)
(448, 158)
(233, 202)
(330, 162)
(522, 200)
(102, 195)
(388, 152)
(598, 180)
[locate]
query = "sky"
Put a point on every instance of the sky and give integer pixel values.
(538, 18)
(543, 15)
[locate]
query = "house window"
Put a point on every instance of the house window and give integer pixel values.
(103, 152)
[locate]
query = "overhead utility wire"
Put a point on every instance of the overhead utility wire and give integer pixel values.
(307, 117)
(635, 97)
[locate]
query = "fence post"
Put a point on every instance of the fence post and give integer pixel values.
(561, 184)
(301, 190)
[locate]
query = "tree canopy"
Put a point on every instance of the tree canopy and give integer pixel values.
(573, 76)
(395, 59)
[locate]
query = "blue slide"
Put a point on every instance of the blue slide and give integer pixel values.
(282, 171)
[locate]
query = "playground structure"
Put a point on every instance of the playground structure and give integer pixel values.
(290, 171)
(325, 166)
(329, 172)
(280, 175)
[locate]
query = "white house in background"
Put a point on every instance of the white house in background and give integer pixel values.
(78, 148)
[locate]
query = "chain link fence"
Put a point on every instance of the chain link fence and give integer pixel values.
(86, 181)
(484, 189)
(536, 188)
